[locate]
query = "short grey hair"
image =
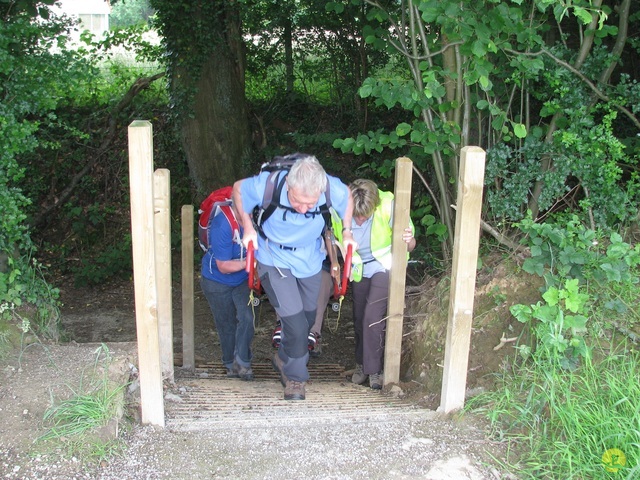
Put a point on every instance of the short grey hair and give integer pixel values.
(307, 175)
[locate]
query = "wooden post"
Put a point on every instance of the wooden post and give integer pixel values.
(463, 278)
(162, 209)
(144, 271)
(398, 273)
(188, 351)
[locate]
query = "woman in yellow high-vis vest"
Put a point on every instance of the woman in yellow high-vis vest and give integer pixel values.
(371, 228)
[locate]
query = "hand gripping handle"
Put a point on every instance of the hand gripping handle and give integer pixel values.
(254, 279)
(339, 290)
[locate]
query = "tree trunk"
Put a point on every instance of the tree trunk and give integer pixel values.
(288, 54)
(218, 138)
(206, 55)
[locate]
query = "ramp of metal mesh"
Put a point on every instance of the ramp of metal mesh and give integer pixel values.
(264, 371)
(211, 404)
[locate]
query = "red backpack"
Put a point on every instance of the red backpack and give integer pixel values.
(219, 201)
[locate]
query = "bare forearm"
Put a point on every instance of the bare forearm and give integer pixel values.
(243, 217)
(231, 266)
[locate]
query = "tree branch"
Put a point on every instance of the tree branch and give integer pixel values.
(502, 239)
(56, 200)
(599, 93)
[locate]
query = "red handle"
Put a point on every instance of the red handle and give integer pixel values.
(341, 289)
(254, 279)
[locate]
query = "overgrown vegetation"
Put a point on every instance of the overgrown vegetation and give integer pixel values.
(571, 398)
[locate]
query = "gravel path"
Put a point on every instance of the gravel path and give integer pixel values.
(422, 444)
(430, 448)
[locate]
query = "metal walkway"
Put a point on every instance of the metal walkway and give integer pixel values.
(210, 401)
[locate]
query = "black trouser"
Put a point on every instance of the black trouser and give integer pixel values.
(370, 298)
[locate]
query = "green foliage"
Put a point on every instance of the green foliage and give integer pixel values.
(54, 115)
(570, 250)
(559, 324)
(125, 13)
(426, 223)
(37, 73)
(593, 174)
(327, 60)
(469, 72)
(589, 279)
(481, 30)
(509, 177)
(27, 299)
(32, 8)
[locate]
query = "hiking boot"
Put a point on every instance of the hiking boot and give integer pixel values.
(315, 346)
(231, 373)
(278, 366)
(244, 373)
(358, 376)
(376, 380)
(294, 390)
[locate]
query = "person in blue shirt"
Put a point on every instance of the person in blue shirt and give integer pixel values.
(289, 255)
(224, 283)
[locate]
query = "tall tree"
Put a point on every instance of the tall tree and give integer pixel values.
(206, 65)
(527, 81)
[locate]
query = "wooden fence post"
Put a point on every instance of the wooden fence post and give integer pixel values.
(162, 203)
(463, 278)
(144, 271)
(188, 350)
(398, 273)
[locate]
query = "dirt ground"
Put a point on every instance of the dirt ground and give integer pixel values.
(112, 319)
(30, 382)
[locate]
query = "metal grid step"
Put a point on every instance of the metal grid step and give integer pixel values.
(218, 403)
(264, 371)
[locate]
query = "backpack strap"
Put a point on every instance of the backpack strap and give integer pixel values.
(272, 193)
(324, 209)
(271, 201)
(228, 213)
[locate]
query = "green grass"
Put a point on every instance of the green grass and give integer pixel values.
(562, 422)
(81, 413)
(76, 423)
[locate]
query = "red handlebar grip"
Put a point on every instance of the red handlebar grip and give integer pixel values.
(346, 272)
(250, 257)
(254, 280)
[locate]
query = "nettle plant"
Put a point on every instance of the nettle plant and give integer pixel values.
(591, 284)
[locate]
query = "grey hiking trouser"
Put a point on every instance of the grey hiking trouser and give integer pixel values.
(294, 300)
(326, 289)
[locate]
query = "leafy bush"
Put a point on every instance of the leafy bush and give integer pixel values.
(593, 175)
(37, 74)
(567, 404)
(129, 12)
(589, 278)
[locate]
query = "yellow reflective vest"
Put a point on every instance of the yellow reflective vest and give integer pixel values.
(381, 235)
